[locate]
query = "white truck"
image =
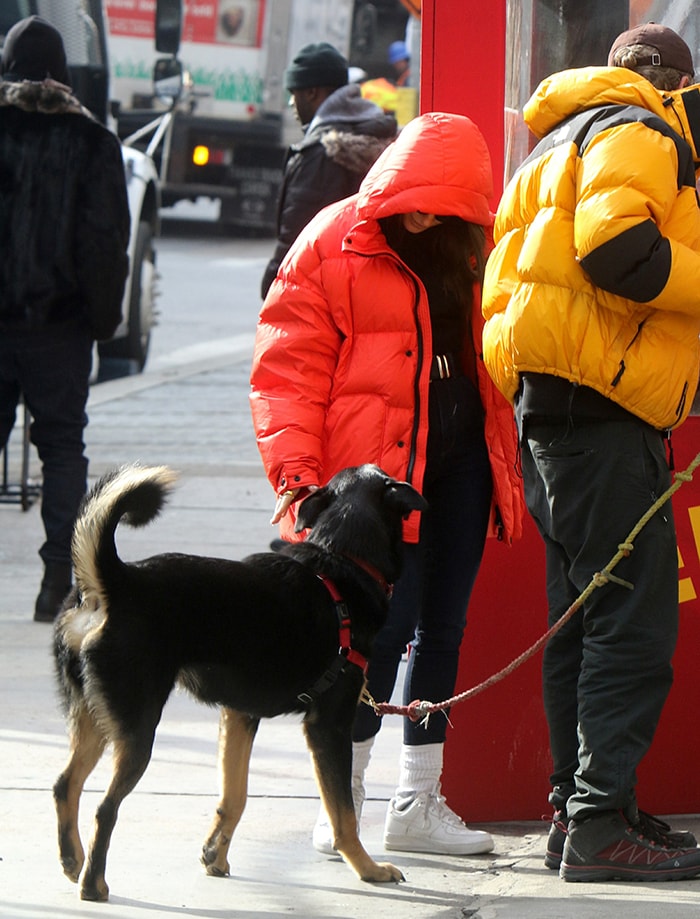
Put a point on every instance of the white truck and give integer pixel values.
(83, 24)
(223, 133)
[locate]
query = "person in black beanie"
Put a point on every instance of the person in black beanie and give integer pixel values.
(33, 50)
(343, 136)
(64, 232)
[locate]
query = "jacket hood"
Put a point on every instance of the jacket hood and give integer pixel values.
(347, 110)
(46, 98)
(354, 152)
(571, 91)
(439, 164)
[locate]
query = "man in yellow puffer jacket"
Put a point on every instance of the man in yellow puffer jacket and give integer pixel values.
(592, 309)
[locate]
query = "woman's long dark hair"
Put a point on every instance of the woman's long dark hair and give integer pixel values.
(454, 250)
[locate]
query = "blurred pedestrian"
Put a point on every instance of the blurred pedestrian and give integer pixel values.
(343, 135)
(369, 350)
(400, 60)
(64, 231)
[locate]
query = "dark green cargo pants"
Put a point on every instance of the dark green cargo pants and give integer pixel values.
(607, 673)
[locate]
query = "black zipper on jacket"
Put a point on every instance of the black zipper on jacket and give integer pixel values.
(681, 404)
(618, 376)
(416, 385)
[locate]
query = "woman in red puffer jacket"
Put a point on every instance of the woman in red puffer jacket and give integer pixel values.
(368, 349)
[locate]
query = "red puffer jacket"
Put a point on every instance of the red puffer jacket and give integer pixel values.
(343, 349)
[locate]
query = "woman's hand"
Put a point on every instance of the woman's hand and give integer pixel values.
(286, 499)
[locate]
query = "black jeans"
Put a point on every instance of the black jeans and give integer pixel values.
(607, 673)
(429, 606)
(51, 368)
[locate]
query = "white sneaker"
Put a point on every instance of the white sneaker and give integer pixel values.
(323, 834)
(322, 838)
(426, 824)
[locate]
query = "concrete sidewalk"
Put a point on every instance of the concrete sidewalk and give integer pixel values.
(193, 415)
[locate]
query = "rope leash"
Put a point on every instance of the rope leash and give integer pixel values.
(422, 710)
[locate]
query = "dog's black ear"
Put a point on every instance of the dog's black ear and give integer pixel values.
(404, 497)
(311, 507)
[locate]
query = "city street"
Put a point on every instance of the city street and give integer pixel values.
(189, 410)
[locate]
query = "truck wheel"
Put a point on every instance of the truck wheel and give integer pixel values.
(134, 346)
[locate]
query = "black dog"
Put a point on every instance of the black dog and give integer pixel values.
(278, 632)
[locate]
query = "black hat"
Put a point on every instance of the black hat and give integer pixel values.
(319, 64)
(33, 50)
(670, 49)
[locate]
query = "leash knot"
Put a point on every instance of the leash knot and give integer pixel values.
(601, 578)
(418, 709)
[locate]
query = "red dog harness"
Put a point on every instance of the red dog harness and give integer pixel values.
(344, 626)
(346, 653)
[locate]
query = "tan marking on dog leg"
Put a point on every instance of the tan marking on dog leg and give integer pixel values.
(236, 735)
(131, 757)
(87, 746)
(343, 821)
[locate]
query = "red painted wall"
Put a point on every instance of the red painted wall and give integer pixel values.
(463, 66)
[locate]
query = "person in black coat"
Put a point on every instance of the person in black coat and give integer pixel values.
(64, 233)
(343, 135)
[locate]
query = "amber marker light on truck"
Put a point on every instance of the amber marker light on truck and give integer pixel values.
(202, 155)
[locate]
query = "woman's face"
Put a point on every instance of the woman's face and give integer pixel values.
(417, 221)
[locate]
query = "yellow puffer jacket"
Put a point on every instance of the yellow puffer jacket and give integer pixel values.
(595, 276)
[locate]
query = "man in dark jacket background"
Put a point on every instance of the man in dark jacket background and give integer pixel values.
(64, 232)
(343, 135)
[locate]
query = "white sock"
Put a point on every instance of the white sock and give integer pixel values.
(420, 770)
(361, 753)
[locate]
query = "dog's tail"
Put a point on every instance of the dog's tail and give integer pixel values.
(135, 494)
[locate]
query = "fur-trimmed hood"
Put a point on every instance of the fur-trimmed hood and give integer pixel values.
(47, 98)
(355, 152)
(352, 130)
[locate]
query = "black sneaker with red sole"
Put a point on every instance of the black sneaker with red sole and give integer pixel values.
(653, 827)
(608, 847)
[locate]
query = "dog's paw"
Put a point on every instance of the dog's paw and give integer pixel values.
(383, 873)
(216, 867)
(215, 872)
(97, 893)
(71, 868)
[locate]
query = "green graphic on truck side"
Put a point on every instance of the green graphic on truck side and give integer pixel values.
(224, 86)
